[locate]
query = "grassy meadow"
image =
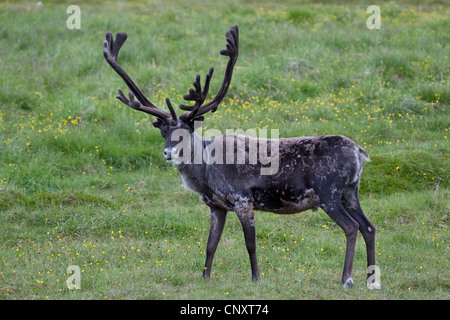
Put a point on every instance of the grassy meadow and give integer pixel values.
(83, 180)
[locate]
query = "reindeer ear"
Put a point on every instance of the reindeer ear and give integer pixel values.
(191, 123)
(158, 123)
(199, 118)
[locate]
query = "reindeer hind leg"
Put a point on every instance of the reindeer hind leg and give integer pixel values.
(351, 203)
(334, 208)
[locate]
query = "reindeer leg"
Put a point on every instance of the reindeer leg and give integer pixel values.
(337, 212)
(218, 218)
(247, 219)
(350, 227)
(353, 207)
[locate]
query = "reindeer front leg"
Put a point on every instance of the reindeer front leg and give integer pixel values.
(247, 218)
(218, 218)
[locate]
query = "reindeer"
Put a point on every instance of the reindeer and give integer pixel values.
(313, 172)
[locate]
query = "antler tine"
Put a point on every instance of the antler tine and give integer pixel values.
(171, 108)
(111, 50)
(232, 51)
(197, 95)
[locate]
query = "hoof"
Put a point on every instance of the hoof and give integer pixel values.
(257, 278)
(374, 285)
(348, 283)
(205, 276)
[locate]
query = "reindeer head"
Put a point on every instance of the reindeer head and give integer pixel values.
(168, 122)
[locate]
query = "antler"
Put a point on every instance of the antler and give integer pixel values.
(197, 95)
(111, 52)
(198, 109)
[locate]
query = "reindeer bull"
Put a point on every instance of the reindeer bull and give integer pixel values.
(312, 172)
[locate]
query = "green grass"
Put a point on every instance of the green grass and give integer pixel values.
(83, 181)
